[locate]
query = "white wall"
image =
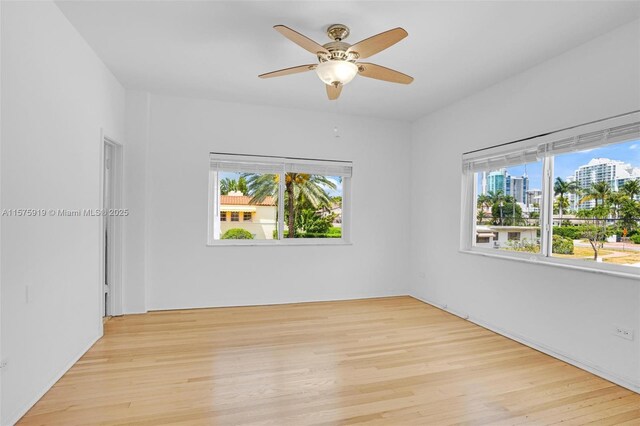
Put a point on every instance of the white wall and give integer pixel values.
(135, 196)
(563, 311)
(182, 272)
(56, 96)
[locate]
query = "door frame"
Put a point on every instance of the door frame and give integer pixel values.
(115, 289)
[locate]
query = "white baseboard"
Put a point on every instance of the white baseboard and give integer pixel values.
(598, 371)
(15, 417)
(237, 303)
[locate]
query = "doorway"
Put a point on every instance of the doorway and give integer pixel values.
(112, 215)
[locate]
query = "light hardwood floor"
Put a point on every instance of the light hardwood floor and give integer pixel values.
(380, 361)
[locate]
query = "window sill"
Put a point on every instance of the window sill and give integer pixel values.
(613, 270)
(281, 243)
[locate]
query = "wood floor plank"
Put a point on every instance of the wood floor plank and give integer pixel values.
(381, 361)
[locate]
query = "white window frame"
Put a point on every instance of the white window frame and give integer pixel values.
(284, 165)
(573, 139)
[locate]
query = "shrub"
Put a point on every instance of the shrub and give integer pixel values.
(508, 217)
(570, 232)
(562, 245)
(237, 234)
(531, 246)
(334, 230)
(318, 235)
(311, 221)
(635, 238)
(331, 234)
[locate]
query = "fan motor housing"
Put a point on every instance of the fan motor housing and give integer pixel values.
(338, 51)
(338, 32)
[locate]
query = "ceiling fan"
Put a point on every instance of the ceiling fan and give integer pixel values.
(337, 60)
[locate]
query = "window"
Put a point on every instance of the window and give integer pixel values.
(506, 214)
(314, 193)
(595, 204)
(570, 197)
(318, 212)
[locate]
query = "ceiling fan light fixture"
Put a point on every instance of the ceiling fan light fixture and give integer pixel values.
(336, 72)
(337, 60)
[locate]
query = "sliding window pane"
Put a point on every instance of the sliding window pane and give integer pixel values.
(597, 204)
(313, 206)
(248, 206)
(507, 208)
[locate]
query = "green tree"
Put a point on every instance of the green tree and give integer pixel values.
(559, 205)
(631, 188)
(228, 185)
(480, 216)
(616, 199)
(561, 188)
(595, 229)
(495, 197)
(303, 188)
(598, 191)
(629, 214)
(506, 213)
(300, 188)
(483, 200)
(242, 185)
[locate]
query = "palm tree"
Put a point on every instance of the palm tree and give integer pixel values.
(598, 191)
(495, 197)
(484, 201)
(300, 188)
(562, 187)
(616, 200)
(227, 185)
(242, 185)
(631, 188)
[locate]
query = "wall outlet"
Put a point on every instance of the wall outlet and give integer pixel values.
(3, 364)
(625, 333)
(422, 274)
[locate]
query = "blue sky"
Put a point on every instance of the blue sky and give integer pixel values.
(332, 192)
(566, 164)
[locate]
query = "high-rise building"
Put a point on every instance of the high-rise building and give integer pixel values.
(614, 172)
(518, 187)
(534, 199)
(501, 180)
(496, 181)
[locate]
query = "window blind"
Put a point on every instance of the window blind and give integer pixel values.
(273, 165)
(246, 167)
(591, 140)
(321, 168)
(477, 163)
(605, 132)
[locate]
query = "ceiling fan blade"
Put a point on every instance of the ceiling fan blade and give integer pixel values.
(300, 40)
(287, 71)
(382, 73)
(333, 92)
(378, 42)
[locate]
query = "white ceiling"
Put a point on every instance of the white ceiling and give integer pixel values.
(217, 49)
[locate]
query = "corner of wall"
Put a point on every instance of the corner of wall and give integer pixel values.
(136, 198)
